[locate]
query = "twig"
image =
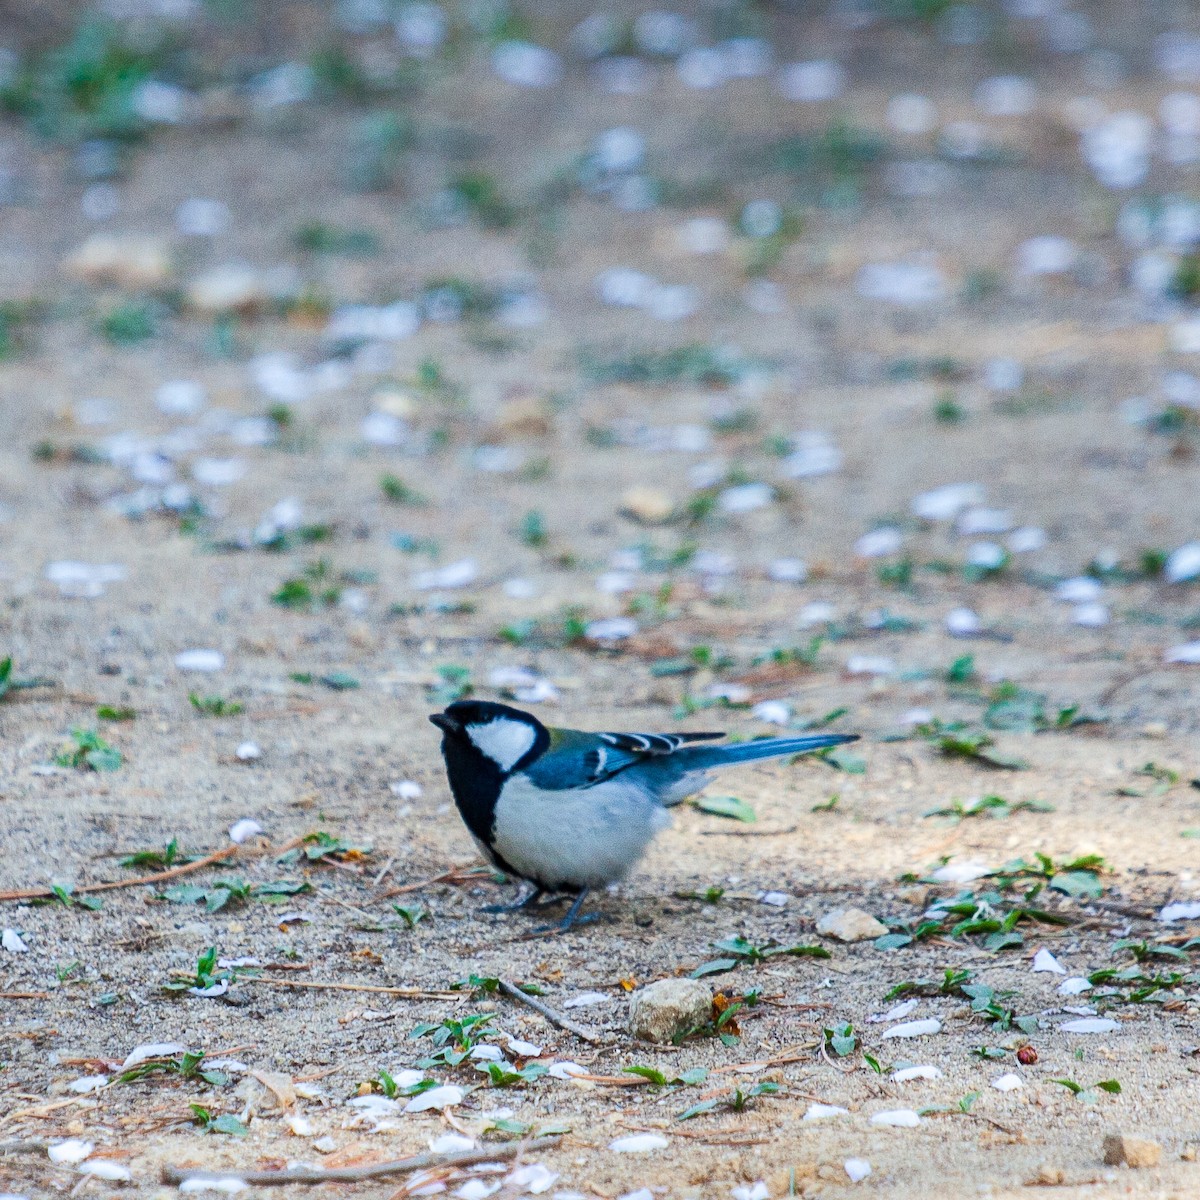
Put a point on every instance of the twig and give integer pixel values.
(407, 993)
(18, 1147)
(453, 875)
(387, 866)
(748, 832)
(401, 1166)
(24, 995)
(157, 877)
(555, 1018)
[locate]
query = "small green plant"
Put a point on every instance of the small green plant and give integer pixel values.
(207, 975)
(480, 194)
(158, 860)
(313, 589)
(841, 1040)
(455, 684)
(396, 491)
(9, 684)
(234, 893)
(411, 915)
(107, 712)
(130, 323)
(736, 1101)
(947, 410)
(320, 845)
(453, 1038)
(992, 806)
(898, 574)
(502, 1075)
(189, 1066)
(89, 753)
(317, 237)
(737, 951)
(532, 531)
(65, 894)
(1089, 1095)
(214, 706)
(725, 806)
(224, 1123)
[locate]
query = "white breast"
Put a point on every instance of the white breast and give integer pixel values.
(575, 839)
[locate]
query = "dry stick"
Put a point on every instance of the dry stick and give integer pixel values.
(407, 993)
(555, 1018)
(24, 1147)
(157, 877)
(401, 1166)
(453, 875)
(24, 995)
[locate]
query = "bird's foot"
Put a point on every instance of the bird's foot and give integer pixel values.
(516, 906)
(572, 917)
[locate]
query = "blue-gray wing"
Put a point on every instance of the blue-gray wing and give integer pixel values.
(580, 760)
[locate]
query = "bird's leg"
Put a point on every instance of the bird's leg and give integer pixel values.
(572, 916)
(516, 906)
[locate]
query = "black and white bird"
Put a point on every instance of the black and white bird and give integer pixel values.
(568, 811)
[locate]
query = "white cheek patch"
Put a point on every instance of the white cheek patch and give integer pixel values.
(505, 742)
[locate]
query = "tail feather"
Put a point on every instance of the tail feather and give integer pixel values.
(708, 757)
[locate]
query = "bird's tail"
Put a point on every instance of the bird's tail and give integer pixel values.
(708, 757)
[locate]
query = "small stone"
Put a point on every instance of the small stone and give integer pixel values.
(850, 925)
(230, 287)
(662, 1010)
(523, 415)
(647, 504)
(1121, 1149)
(136, 264)
(1048, 1176)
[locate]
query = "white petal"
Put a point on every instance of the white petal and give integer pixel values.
(72, 1151)
(1075, 986)
(1008, 1083)
(445, 1096)
(912, 1029)
(244, 829)
(857, 1168)
(1043, 960)
(105, 1168)
(638, 1143)
(822, 1112)
(1090, 1025)
(898, 1118)
(1187, 911)
(907, 1074)
(11, 940)
(143, 1053)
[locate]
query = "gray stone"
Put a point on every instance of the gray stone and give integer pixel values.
(850, 925)
(663, 1010)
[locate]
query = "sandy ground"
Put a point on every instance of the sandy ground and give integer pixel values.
(1058, 457)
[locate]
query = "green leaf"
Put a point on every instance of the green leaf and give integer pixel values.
(1070, 1084)
(705, 1106)
(725, 806)
(692, 1077)
(1112, 1086)
(104, 758)
(714, 966)
(1084, 884)
(803, 952)
(842, 759)
(653, 1074)
(893, 941)
(228, 1123)
(873, 1063)
(185, 893)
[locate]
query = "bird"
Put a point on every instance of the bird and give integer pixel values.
(569, 811)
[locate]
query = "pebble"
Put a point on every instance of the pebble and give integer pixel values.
(248, 752)
(1187, 910)
(228, 288)
(132, 263)
(1081, 590)
(454, 575)
(758, 1190)
(200, 217)
(84, 581)
(587, 999)
(1074, 986)
(664, 1009)
(746, 497)
(814, 455)
(964, 872)
(650, 505)
(69, 1152)
(850, 925)
(1121, 1149)
(963, 622)
(911, 114)
(1090, 616)
(1008, 1083)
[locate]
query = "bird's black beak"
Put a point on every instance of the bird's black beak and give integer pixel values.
(444, 723)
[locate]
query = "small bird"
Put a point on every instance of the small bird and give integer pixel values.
(568, 811)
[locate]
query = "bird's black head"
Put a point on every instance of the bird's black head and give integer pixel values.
(483, 743)
(490, 738)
